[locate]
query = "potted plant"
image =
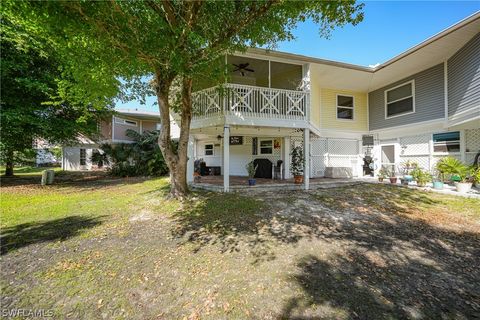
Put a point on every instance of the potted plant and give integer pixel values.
(476, 177)
(459, 171)
(382, 174)
(421, 176)
(392, 176)
(251, 169)
(408, 167)
(296, 167)
(437, 179)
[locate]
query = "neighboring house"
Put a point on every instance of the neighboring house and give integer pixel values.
(421, 105)
(113, 131)
(45, 153)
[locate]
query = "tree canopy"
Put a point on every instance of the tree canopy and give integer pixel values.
(33, 102)
(104, 41)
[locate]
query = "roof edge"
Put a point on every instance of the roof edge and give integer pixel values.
(299, 57)
(287, 55)
(473, 17)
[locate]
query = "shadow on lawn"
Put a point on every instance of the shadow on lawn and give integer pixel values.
(391, 267)
(30, 233)
(384, 261)
(73, 179)
(234, 221)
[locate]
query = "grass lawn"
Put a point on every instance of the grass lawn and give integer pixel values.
(118, 249)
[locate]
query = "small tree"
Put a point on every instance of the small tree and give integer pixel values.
(33, 104)
(296, 167)
(172, 41)
(251, 169)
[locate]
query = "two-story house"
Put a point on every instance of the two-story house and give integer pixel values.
(112, 131)
(421, 105)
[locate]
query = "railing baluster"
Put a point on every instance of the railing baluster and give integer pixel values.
(276, 103)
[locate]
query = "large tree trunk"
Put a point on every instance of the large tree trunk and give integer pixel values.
(175, 160)
(9, 164)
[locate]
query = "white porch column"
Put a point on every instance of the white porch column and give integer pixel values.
(226, 158)
(191, 158)
(306, 155)
(286, 157)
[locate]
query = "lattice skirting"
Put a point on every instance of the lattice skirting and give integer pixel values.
(333, 153)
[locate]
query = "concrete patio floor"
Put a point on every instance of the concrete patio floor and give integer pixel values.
(239, 183)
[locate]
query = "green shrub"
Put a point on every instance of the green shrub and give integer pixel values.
(140, 158)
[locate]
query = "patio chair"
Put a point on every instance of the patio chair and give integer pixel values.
(264, 168)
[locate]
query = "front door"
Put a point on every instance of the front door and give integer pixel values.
(388, 156)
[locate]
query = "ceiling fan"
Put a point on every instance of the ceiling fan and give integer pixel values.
(242, 67)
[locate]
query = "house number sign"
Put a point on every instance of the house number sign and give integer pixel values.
(236, 140)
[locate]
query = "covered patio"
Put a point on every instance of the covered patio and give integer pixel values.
(240, 183)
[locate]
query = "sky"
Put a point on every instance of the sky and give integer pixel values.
(388, 29)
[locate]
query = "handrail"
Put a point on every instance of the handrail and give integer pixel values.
(253, 101)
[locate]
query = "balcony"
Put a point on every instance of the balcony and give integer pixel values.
(251, 102)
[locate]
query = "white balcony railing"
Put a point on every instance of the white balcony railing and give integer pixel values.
(250, 101)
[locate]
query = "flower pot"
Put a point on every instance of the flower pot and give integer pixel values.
(408, 178)
(438, 185)
(393, 180)
(380, 179)
(463, 187)
(252, 182)
(298, 179)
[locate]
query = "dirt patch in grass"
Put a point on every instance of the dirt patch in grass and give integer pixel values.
(360, 252)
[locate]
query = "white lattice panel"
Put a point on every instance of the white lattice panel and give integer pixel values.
(422, 161)
(470, 157)
(342, 147)
(318, 150)
(472, 140)
(415, 145)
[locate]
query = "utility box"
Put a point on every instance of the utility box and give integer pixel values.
(48, 177)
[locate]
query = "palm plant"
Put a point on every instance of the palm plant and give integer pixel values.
(453, 166)
(141, 157)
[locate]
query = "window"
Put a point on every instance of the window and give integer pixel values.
(446, 142)
(126, 122)
(83, 157)
(400, 100)
(158, 126)
(266, 146)
(209, 150)
(345, 107)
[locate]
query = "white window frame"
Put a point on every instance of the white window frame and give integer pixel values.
(124, 122)
(260, 146)
(205, 149)
(446, 153)
(412, 83)
(353, 108)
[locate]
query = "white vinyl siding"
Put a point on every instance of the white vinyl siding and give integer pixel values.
(400, 100)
